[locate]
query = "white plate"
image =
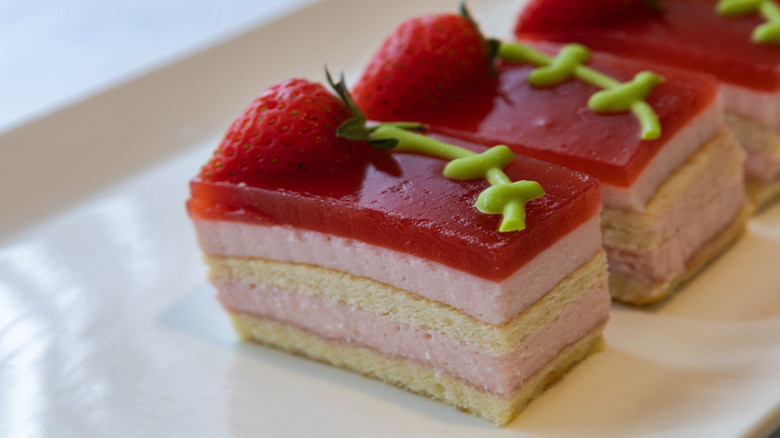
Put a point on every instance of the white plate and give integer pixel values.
(109, 328)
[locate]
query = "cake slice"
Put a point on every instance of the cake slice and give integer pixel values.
(374, 261)
(671, 173)
(733, 43)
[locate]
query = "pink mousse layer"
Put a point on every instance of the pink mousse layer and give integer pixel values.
(500, 375)
(488, 301)
(673, 154)
(764, 107)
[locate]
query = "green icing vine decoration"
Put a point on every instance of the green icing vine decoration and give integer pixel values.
(504, 197)
(615, 97)
(767, 33)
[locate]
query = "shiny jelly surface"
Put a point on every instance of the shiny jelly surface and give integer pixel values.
(555, 124)
(686, 33)
(403, 202)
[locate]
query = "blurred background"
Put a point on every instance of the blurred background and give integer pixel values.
(53, 53)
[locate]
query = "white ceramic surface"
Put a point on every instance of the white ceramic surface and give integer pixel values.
(109, 328)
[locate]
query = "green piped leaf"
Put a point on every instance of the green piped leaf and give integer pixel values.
(478, 165)
(551, 71)
(509, 200)
(630, 96)
(562, 66)
(648, 119)
(622, 97)
(767, 33)
(738, 7)
(470, 165)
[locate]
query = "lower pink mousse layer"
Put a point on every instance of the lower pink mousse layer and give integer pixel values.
(500, 375)
(488, 301)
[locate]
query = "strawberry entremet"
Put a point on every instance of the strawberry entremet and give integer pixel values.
(386, 268)
(477, 282)
(290, 129)
(657, 143)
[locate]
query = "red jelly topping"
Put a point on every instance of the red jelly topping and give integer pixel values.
(401, 201)
(686, 33)
(555, 124)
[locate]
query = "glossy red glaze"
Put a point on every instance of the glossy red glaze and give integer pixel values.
(554, 123)
(401, 201)
(687, 33)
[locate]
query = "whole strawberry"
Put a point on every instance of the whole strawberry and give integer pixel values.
(289, 130)
(427, 64)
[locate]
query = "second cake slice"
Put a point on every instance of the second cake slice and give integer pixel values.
(672, 200)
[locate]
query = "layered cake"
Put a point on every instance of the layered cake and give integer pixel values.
(739, 42)
(373, 260)
(671, 173)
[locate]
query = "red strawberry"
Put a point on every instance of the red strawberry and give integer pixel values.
(545, 15)
(290, 129)
(426, 64)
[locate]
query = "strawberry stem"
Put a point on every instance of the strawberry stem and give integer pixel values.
(617, 96)
(492, 44)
